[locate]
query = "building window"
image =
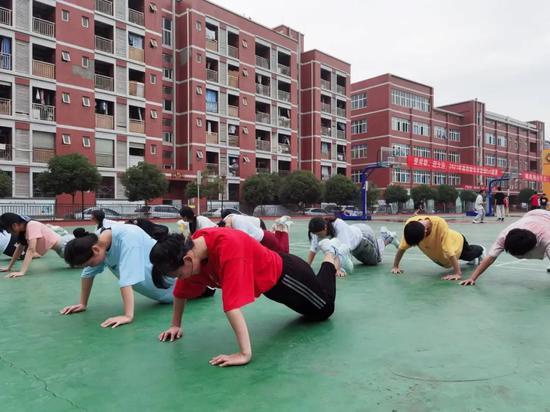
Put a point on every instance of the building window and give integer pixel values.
(454, 157)
(490, 160)
(167, 73)
(211, 101)
(490, 138)
(66, 139)
(356, 176)
(199, 58)
(65, 97)
(502, 162)
(153, 79)
(454, 135)
(421, 177)
(401, 149)
(439, 178)
(168, 105)
(502, 142)
(154, 44)
(153, 149)
(421, 129)
(65, 56)
(65, 15)
(167, 137)
(400, 175)
(453, 180)
(421, 151)
(198, 26)
(85, 101)
(440, 132)
(154, 114)
(167, 90)
(166, 31)
(410, 100)
(86, 141)
(440, 154)
(85, 22)
(358, 151)
(358, 126)
(400, 125)
(358, 101)
(106, 189)
(85, 61)
(198, 90)
(153, 7)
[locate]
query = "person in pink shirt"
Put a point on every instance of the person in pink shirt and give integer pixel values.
(37, 238)
(527, 238)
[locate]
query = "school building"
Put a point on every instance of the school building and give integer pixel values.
(186, 85)
(398, 115)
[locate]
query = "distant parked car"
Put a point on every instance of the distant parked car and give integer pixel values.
(217, 212)
(333, 209)
(270, 210)
(109, 213)
(158, 211)
(313, 211)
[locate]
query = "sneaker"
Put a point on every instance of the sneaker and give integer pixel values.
(477, 260)
(341, 251)
(284, 220)
(388, 236)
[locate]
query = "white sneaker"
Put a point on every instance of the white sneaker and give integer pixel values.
(340, 250)
(284, 220)
(388, 236)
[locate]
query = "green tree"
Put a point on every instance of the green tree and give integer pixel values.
(467, 196)
(300, 188)
(69, 174)
(258, 189)
(373, 194)
(396, 194)
(339, 189)
(447, 194)
(144, 182)
(423, 192)
(5, 184)
(191, 190)
(525, 194)
(211, 188)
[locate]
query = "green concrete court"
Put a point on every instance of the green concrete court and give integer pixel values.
(408, 343)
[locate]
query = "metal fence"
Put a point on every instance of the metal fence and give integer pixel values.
(62, 211)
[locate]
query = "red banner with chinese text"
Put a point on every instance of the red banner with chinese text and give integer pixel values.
(534, 177)
(415, 162)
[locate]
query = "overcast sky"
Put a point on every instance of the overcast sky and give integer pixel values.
(495, 50)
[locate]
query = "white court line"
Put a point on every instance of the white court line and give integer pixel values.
(509, 263)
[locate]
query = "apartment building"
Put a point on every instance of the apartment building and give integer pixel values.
(389, 111)
(186, 85)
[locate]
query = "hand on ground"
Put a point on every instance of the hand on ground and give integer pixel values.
(171, 334)
(397, 271)
(67, 310)
(454, 276)
(235, 359)
(15, 275)
(340, 273)
(468, 282)
(116, 321)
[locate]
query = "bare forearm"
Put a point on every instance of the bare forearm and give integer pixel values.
(177, 311)
(27, 260)
(15, 256)
(310, 257)
(128, 298)
(456, 265)
(236, 319)
(85, 290)
(483, 266)
(398, 257)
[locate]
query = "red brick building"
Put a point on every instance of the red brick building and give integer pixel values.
(393, 112)
(186, 85)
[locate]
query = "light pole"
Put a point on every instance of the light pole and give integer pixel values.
(223, 177)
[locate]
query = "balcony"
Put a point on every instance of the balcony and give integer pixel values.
(233, 81)
(262, 62)
(136, 17)
(44, 27)
(341, 89)
(137, 126)
(325, 131)
(340, 134)
(263, 170)
(5, 16)
(283, 148)
(43, 69)
(264, 145)
(212, 45)
(104, 121)
(104, 82)
(5, 61)
(212, 138)
(211, 75)
(213, 169)
(232, 111)
(284, 96)
(136, 88)
(284, 122)
(262, 89)
(325, 107)
(135, 54)
(233, 140)
(233, 51)
(5, 106)
(104, 6)
(325, 84)
(40, 155)
(341, 112)
(5, 151)
(282, 69)
(43, 112)
(263, 117)
(103, 44)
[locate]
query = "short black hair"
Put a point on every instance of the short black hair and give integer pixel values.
(225, 213)
(167, 256)
(414, 233)
(519, 241)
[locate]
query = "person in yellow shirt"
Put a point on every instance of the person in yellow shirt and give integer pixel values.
(442, 245)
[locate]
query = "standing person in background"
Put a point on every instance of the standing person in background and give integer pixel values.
(499, 204)
(190, 223)
(534, 201)
(543, 201)
(507, 205)
(419, 208)
(479, 207)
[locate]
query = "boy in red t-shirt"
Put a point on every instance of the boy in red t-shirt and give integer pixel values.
(243, 269)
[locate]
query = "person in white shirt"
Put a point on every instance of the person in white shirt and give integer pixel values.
(479, 207)
(359, 240)
(190, 223)
(7, 242)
